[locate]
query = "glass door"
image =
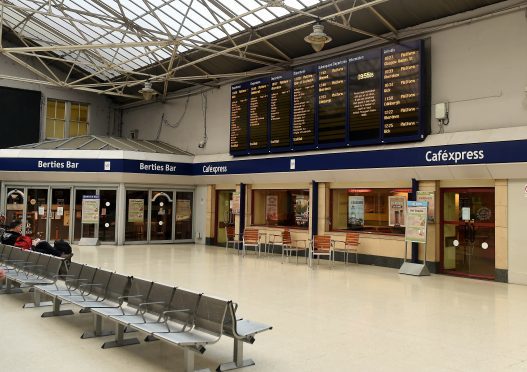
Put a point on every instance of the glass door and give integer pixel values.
(161, 215)
(37, 213)
(15, 202)
(467, 232)
(107, 215)
(59, 216)
(224, 216)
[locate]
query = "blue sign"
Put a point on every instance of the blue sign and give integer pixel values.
(476, 153)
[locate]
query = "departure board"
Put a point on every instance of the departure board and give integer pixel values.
(280, 111)
(401, 91)
(364, 97)
(303, 107)
(332, 102)
(239, 117)
(258, 112)
(372, 97)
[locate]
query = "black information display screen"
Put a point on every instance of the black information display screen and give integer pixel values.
(401, 92)
(303, 108)
(332, 102)
(372, 97)
(364, 97)
(258, 111)
(239, 117)
(280, 111)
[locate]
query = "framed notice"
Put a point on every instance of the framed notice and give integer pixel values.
(271, 208)
(429, 197)
(356, 210)
(396, 215)
(416, 221)
(136, 210)
(90, 209)
(235, 203)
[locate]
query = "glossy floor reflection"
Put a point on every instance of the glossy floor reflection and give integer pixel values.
(349, 318)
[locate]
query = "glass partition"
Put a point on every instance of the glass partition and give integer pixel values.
(184, 215)
(60, 214)
(86, 230)
(136, 215)
(37, 213)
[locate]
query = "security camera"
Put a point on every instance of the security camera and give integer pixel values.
(202, 144)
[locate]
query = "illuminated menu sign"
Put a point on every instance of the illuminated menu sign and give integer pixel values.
(239, 117)
(332, 102)
(258, 111)
(372, 97)
(280, 110)
(303, 108)
(401, 91)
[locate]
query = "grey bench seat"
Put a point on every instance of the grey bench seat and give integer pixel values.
(242, 331)
(208, 322)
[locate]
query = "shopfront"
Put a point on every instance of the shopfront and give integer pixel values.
(468, 232)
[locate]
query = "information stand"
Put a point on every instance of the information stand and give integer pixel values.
(416, 223)
(90, 216)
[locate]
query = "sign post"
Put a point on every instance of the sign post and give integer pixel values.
(90, 216)
(416, 223)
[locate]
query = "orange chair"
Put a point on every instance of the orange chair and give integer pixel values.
(231, 238)
(251, 238)
(350, 245)
(321, 245)
(289, 246)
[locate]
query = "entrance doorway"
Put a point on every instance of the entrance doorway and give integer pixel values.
(467, 232)
(224, 216)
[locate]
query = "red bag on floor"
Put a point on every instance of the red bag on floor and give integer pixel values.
(23, 242)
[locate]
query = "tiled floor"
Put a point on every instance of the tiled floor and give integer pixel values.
(349, 318)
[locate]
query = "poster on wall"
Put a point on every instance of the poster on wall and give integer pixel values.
(183, 210)
(356, 210)
(301, 210)
(66, 221)
(90, 209)
(429, 197)
(396, 210)
(136, 210)
(235, 203)
(416, 219)
(271, 208)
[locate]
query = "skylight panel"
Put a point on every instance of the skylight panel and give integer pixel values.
(252, 20)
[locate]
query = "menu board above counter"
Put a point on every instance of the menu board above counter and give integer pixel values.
(373, 97)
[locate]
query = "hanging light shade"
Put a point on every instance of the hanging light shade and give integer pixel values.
(147, 92)
(318, 37)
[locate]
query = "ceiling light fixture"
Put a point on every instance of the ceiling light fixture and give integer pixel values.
(147, 92)
(318, 37)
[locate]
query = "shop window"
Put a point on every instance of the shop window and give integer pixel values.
(66, 119)
(369, 210)
(281, 208)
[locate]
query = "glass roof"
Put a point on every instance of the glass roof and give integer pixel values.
(147, 26)
(93, 142)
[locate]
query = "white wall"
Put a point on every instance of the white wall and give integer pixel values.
(190, 132)
(479, 68)
(101, 114)
(517, 200)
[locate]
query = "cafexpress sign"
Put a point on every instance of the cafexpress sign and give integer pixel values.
(453, 156)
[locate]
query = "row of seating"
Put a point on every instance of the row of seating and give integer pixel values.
(26, 268)
(319, 246)
(188, 319)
